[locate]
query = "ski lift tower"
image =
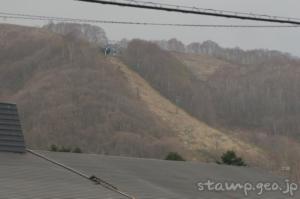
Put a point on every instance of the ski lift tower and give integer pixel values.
(111, 48)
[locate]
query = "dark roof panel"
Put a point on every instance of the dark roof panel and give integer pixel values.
(11, 135)
(158, 179)
(25, 176)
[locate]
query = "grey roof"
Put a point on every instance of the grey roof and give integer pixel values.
(24, 176)
(11, 136)
(27, 176)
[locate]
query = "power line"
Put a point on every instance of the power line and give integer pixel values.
(6, 15)
(196, 10)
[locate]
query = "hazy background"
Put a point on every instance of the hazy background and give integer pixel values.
(279, 39)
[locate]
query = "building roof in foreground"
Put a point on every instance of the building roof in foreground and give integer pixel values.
(11, 135)
(28, 176)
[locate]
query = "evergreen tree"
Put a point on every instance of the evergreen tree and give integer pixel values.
(230, 158)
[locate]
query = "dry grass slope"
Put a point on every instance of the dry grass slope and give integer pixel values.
(204, 141)
(203, 66)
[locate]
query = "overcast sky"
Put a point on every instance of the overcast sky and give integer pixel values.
(278, 39)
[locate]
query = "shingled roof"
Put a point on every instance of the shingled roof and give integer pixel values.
(11, 136)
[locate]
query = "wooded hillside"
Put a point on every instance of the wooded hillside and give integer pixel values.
(70, 95)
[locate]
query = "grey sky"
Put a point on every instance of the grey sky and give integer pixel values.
(278, 39)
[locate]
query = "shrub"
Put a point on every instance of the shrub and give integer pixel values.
(174, 157)
(230, 158)
(65, 149)
(77, 150)
(54, 148)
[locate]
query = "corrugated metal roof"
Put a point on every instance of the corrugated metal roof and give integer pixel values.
(11, 135)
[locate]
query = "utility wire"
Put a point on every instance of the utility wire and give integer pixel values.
(196, 10)
(6, 15)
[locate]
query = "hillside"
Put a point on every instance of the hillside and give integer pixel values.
(201, 65)
(70, 95)
(170, 77)
(254, 89)
(258, 102)
(202, 141)
(148, 101)
(92, 34)
(262, 95)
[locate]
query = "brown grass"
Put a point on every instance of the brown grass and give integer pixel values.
(194, 134)
(202, 66)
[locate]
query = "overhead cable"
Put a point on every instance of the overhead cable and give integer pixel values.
(6, 15)
(198, 11)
